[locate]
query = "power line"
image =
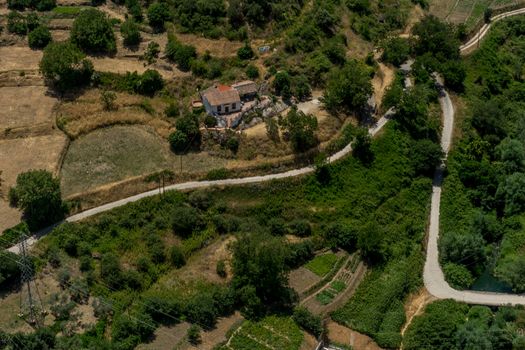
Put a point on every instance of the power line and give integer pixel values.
(101, 300)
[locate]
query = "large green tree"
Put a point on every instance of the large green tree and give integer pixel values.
(38, 194)
(300, 129)
(64, 66)
(348, 88)
(260, 270)
(92, 32)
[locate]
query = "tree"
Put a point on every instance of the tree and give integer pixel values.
(187, 134)
(38, 194)
(187, 220)
(308, 321)
(158, 13)
(64, 66)
(178, 141)
(177, 257)
(252, 72)
(16, 23)
(465, 249)
(282, 84)
(152, 52)
(396, 50)
(458, 276)
(260, 272)
(511, 192)
(301, 130)
(181, 54)
(425, 156)
(111, 271)
(512, 271)
(412, 115)
(194, 336)
(130, 32)
(454, 73)
(348, 88)
(437, 38)
(39, 38)
(370, 241)
(150, 82)
(512, 153)
(362, 147)
(92, 32)
(245, 52)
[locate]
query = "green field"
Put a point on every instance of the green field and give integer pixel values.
(322, 264)
(270, 333)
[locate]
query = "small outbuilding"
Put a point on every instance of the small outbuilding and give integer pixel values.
(247, 89)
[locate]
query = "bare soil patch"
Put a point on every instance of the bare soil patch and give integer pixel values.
(124, 65)
(301, 279)
(415, 306)
(346, 336)
(167, 337)
(60, 34)
(309, 342)
(39, 152)
(20, 58)
(381, 81)
(217, 47)
(25, 106)
(9, 216)
(203, 265)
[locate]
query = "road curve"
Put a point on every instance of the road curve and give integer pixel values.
(476, 39)
(433, 276)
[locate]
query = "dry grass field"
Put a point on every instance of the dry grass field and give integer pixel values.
(20, 58)
(35, 108)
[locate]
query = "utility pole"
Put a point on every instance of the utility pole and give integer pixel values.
(30, 302)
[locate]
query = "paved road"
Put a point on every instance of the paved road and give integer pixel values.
(206, 184)
(473, 43)
(433, 275)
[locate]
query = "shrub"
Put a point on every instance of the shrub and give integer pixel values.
(300, 228)
(194, 334)
(46, 5)
(107, 98)
(245, 52)
(276, 226)
(152, 52)
(86, 263)
(158, 13)
(177, 257)
(308, 321)
(187, 220)
(233, 144)
(130, 32)
(18, 4)
(252, 72)
(458, 276)
(181, 54)
(172, 110)
(39, 38)
(200, 199)
(221, 268)
(64, 66)
(16, 23)
(178, 141)
(93, 32)
(9, 268)
(210, 121)
(150, 82)
(110, 270)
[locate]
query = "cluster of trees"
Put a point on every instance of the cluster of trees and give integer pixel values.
(447, 324)
(484, 198)
(40, 5)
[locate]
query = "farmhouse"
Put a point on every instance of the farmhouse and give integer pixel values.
(221, 99)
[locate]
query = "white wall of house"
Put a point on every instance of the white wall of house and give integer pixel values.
(214, 110)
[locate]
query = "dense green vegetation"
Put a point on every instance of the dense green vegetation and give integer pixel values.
(93, 32)
(447, 324)
(483, 202)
